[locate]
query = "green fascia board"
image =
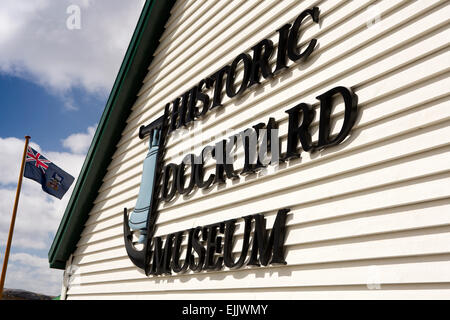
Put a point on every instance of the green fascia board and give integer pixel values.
(132, 72)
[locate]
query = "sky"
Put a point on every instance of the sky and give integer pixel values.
(58, 62)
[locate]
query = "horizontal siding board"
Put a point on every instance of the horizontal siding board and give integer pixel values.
(187, 35)
(297, 276)
(395, 265)
(181, 13)
(429, 292)
(382, 248)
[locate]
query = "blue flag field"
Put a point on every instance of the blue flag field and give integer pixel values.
(53, 179)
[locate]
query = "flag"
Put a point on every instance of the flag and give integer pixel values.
(53, 179)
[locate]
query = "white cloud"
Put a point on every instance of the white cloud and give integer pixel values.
(12, 150)
(37, 45)
(29, 260)
(32, 273)
(38, 217)
(79, 142)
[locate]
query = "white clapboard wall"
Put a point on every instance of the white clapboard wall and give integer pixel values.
(369, 218)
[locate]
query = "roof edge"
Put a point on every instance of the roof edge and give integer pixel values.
(123, 94)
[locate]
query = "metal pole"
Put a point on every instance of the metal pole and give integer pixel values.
(13, 219)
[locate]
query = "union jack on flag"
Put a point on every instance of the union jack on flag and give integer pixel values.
(37, 159)
(54, 180)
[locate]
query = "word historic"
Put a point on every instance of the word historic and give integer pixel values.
(254, 67)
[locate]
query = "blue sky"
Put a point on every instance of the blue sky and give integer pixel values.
(29, 109)
(58, 61)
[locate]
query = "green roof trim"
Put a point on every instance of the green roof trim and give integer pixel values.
(128, 82)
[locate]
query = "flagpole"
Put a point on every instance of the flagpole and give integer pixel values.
(13, 218)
